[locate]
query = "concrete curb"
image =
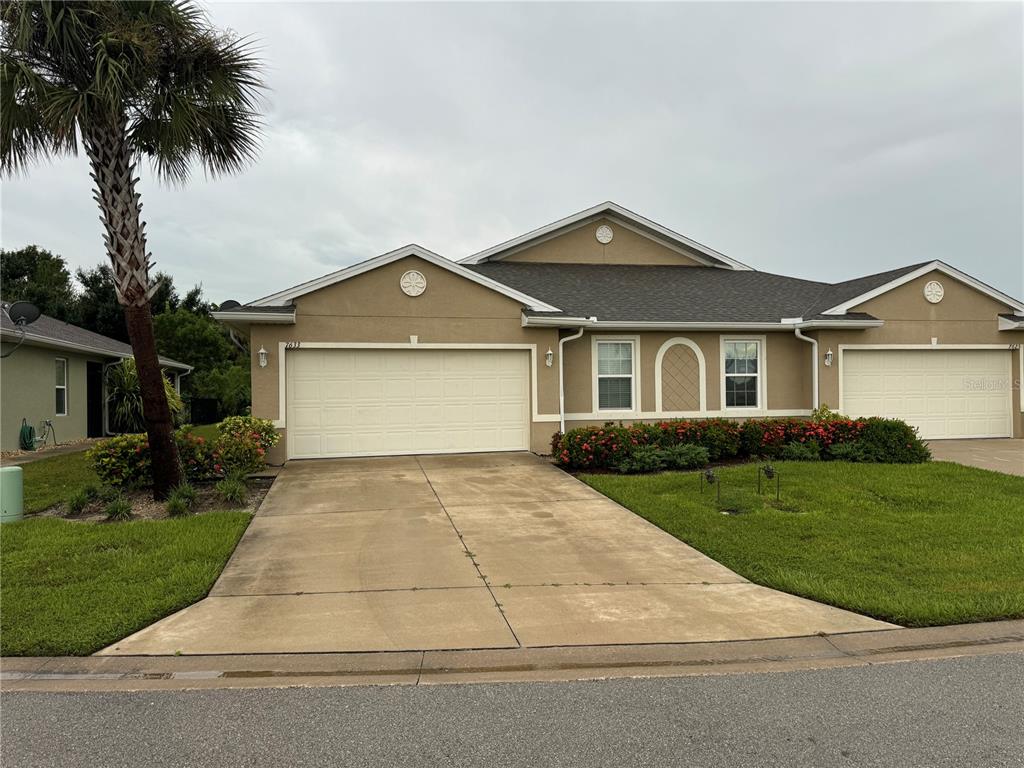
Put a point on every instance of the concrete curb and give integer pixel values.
(137, 673)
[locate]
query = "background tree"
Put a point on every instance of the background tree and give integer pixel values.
(127, 80)
(37, 275)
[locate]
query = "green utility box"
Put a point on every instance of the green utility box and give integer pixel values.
(12, 505)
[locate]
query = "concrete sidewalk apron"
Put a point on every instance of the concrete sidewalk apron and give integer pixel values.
(481, 551)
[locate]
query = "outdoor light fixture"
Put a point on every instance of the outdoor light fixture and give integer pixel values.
(263, 355)
(770, 474)
(708, 476)
(549, 357)
(828, 359)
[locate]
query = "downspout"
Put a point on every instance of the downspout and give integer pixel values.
(814, 365)
(561, 378)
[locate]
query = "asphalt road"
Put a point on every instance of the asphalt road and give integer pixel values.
(956, 712)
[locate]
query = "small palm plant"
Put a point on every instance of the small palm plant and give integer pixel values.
(127, 80)
(125, 395)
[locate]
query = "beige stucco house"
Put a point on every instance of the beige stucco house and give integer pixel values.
(608, 316)
(55, 372)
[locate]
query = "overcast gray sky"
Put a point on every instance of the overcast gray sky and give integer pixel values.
(820, 140)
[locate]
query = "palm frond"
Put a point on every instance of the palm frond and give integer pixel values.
(188, 93)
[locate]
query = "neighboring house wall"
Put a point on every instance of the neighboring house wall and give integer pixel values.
(965, 316)
(580, 246)
(28, 391)
(372, 309)
(786, 363)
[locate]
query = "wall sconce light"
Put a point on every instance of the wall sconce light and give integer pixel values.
(828, 359)
(263, 355)
(549, 357)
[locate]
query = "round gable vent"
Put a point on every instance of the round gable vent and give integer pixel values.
(604, 234)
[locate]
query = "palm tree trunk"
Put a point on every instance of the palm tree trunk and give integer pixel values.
(125, 239)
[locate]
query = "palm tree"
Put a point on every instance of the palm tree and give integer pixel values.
(128, 80)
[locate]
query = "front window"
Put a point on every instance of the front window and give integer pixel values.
(61, 370)
(742, 370)
(615, 375)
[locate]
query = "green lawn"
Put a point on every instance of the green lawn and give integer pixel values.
(51, 481)
(72, 588)
(917, 545)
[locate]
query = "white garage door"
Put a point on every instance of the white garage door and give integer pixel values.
(945, 393)
(371, 402)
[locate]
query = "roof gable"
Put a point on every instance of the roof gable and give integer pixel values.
(876, 285)
(347, 273)
(690, 249)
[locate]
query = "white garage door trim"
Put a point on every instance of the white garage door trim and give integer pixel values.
(284, 346)
(1008, 348)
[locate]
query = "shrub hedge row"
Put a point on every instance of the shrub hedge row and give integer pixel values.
(240, 447)
(618, 446)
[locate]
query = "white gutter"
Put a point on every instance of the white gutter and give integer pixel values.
(561, 378)
(263, 318)
(622, 325)
(814, 365)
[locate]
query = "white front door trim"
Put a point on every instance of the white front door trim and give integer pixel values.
(284, 346)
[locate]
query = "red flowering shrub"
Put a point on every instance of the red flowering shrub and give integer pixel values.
(125, 461)
(883, 440)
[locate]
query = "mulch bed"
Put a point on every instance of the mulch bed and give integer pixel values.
(145, 508)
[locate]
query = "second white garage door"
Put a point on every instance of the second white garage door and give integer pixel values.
(945, 393)
(372, 402)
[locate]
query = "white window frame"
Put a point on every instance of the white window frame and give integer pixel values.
(762, 374)
(63, 386)
(634, 378)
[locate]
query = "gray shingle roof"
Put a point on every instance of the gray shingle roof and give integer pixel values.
(285, 308)
(50, 330)
(673, 294)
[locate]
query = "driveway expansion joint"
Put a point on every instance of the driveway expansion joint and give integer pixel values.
(469, 553)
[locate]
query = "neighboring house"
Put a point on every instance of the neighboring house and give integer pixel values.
(57, 374)
(607, 316)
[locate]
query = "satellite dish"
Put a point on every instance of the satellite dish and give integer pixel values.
(229, 304)
(23, 313)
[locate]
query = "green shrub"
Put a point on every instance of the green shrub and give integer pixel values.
(824, 414)
(177, 508)
(118, 509)
(232, 490)
(613, 446)
(807, 451)
(124, 391)
(846, 452)
(891, 441)
(260, 430)
(642, 459)
(685, 456)
(181, 500)
(79, 500)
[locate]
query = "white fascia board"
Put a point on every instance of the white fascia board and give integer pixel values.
(619, 325)
(716, 258)
(934, 266)
(409, 250)
(262, 318)
(85, 349)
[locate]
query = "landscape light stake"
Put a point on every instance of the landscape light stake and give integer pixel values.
(770, 473)
(709, 476)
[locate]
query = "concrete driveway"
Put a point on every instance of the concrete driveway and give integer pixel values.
(470, 551)
(1000, 455)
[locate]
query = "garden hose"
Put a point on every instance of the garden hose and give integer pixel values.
(27, 436)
